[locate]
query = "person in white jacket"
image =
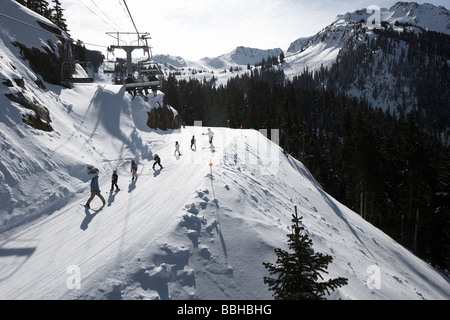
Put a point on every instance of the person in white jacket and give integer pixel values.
(177, 149)
(210, 134)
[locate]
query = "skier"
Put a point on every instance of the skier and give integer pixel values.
(193, 143)
(210, 134)
(114, 180)
(157, 161)
(177, 149)
(95, 191)
(134, 168)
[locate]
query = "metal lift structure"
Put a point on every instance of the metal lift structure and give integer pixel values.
(143, 75)
(76, 72)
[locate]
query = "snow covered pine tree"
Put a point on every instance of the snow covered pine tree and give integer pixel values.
(299, 271)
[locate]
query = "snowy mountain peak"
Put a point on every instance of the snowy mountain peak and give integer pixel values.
(323, 48)
(240, 56)
(174, 61)
(243, 55)
(427, 16)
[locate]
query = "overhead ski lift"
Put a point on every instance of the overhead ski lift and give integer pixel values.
(109, 65)
(141, 76)
(116, 67)
(76, 72)
(147, 76)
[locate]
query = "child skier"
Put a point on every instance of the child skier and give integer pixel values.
(134, 168)
(193, 143)
(157, 161)
(177, 149)
(114, 180)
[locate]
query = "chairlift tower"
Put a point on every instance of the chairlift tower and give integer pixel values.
(128, 48)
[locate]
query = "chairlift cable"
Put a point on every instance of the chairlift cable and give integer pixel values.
(124, 10)
(28, 25)
(131, 17)
(105, 14)
(48, 31)
(105, 22)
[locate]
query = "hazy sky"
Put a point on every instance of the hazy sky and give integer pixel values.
(194, 29)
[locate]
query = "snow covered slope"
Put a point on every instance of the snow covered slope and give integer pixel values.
(188, 231)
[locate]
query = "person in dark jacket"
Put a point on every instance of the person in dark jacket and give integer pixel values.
(114, 180)
(157, 162)
(134, 168)
(95, 191)
(193, 143)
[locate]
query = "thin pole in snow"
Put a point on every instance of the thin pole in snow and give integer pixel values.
(210, 167)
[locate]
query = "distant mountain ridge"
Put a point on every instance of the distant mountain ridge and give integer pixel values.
(323, 47)
(240, 56)
(383, 64)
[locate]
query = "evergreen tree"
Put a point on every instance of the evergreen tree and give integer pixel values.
(54, 14)
(298, 272)
(39, 6)
(58, 15)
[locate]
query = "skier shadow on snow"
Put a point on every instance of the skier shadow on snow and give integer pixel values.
(156, 172)
(21, 252)
(111, 198)
(88, 218)
(138, 146)
(132, 186)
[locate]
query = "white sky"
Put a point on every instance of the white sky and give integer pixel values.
(194, 29)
